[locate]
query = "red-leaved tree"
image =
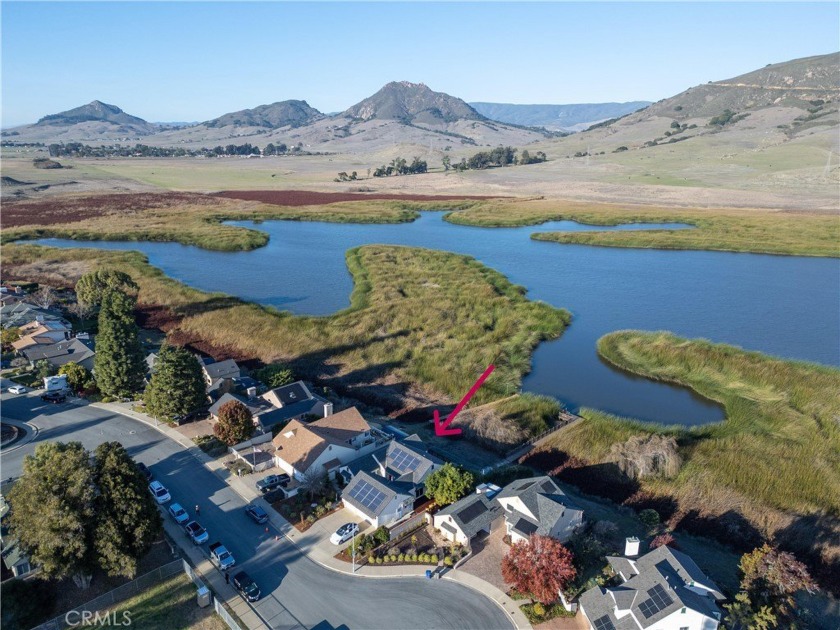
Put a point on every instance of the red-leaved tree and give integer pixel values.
(664, 539)
(235, 424)
(541, 567)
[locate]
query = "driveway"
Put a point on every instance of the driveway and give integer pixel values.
(297, 591)
(488, 551)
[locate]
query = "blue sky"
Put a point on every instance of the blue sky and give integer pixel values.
(195, 61)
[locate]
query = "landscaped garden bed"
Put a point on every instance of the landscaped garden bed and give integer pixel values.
(211, 445)
(303, 511)
(420, 546)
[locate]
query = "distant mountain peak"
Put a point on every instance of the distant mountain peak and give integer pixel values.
(95, 111)
(412, 102)
(290, 113)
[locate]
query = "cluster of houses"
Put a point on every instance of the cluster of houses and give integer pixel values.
(44, 334)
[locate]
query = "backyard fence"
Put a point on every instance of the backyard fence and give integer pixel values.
(112, 598)
(217, 605)
(407, 525)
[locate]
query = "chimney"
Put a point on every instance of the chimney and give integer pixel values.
(251, 392)
(328, 409)
(631, 547)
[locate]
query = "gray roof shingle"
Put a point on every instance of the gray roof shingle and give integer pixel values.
(472, 513)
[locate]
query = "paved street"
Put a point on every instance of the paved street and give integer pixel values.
(297, 592)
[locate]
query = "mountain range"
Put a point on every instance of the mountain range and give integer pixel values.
(781, 99)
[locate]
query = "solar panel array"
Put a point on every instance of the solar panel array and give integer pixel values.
(367, 495)
(603, 623)
(472, 511)
(403, 460)
(658, 600)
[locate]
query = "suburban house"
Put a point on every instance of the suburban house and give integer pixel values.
(17, 313)
(324, 445)
(465, 519)
(294, 402)
(75, 350)
(408, 461)
(215, 372)
(538, 506)
(41, 334)
(378, 500)
(663, 589)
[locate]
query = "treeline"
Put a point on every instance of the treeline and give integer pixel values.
(399, 166)
(500, 156)
(77, 149)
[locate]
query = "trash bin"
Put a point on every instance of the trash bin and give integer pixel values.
(203, 596)
(428, 574)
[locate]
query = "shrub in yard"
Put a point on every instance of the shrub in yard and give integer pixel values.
(320, 511)
(401, 558)
(448, 561)
(393, 551)
(424, 557)
(382, 535)
(539, 610)
(371, 559)
(310, 519)
(393, 558)
(411, 551)
(414, 557)
(434, 558)
(379, 560)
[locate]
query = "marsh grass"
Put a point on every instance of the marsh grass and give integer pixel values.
(757, 231)
(203, 225)
(417, 317)
(779, 445)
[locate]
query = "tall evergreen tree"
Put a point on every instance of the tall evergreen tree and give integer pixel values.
(53, 511)
(177, 385)
(128, 521)
(91, 287)
(118, 363)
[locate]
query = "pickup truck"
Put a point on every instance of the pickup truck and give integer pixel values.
(271, 482)
(221, 557)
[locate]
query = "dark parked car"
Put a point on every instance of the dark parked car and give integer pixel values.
(257, 513)
(145, 470)
(273, 482)
(246, 585)
(198, 414)
(53, 397)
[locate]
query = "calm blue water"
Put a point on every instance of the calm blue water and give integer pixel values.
(781, 305)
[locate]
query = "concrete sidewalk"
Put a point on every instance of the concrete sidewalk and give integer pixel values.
(311, 542)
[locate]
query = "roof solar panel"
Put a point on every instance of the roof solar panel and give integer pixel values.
(525, 486)
(658, 599)
(472, 511)
(403, 460)
(367, 495)
(603, 623)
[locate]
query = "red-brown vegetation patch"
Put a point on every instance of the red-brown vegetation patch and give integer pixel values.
(312, 198)
(73, 209)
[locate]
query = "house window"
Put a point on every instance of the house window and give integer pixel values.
(683, 612)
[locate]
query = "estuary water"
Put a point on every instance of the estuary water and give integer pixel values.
(781, 305)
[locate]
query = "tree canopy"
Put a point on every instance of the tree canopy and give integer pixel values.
(91, 287)
(77, 376)
(448, 484)
(128, 521)
(540, 567)
(71, 515)
(118, 362)
(275, 375)
(177, 386)
(235, 423)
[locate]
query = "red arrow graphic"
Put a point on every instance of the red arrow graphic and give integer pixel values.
(442, 428)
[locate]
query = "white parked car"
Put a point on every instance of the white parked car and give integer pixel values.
(344, 533)
(17, 389)
(159, 492)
